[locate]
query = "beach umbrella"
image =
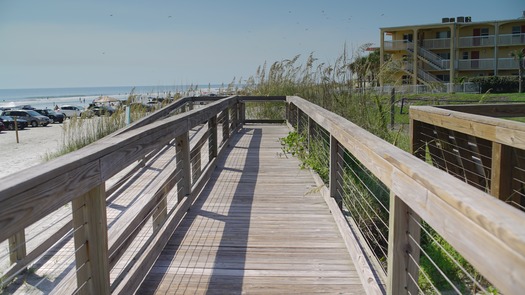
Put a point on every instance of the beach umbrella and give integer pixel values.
(106, 99)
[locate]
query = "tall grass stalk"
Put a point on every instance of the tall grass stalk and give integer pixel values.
(79, 132)
(331, 86)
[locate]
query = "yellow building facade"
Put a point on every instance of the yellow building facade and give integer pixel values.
(454, 48)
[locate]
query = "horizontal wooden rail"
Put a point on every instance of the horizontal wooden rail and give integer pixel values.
(494, 129)
(488, 233)
(491, 110)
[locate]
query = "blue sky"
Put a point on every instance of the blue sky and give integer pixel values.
(73, 43)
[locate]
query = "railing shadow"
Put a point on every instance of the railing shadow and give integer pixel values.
(192, 259)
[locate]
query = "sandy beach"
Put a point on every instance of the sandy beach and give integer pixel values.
(33, 144)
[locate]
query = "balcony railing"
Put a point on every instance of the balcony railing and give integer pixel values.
(437, 43)
(445, 66)
(395, 45)
(507, 64)
(512, 39)
(477, 41)
(476, 64)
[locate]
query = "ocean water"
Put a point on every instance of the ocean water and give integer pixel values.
(83, 96)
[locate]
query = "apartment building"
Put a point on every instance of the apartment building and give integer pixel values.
(453, 48)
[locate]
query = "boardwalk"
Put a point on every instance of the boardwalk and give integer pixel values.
(132, 222)
(259, 226)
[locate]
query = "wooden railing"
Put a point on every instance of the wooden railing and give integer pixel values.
(474, 144)
(486, 232)
(79, 180)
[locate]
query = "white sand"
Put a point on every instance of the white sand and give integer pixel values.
(33, 144)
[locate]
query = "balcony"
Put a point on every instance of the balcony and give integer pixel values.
(507, 64)
(476, 64)
(395, 45)
(443, 43)
(477, 41)
(511, 39)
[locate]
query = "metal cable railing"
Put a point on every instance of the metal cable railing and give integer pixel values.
(471, 159)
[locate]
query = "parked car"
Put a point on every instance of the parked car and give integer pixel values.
(56, 117)
(2, 127)
(9, 123)
(34, 118)
(70, 111)
(99, 110)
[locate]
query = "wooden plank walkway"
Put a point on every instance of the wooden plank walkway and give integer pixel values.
(258, 227)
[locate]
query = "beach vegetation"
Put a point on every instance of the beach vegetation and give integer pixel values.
(79, 132)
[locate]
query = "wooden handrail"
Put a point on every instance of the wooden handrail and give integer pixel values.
(59, 181)
(494, 129)
(488, 233)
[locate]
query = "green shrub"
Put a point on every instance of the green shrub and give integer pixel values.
(497, 84)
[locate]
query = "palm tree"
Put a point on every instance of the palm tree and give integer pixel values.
(518, 55)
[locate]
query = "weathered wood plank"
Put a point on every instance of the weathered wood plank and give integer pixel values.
(494, 129)
(490, 110)
(245, 225)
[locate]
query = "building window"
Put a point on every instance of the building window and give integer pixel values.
(484, 32)
(516, 30)
(443, 35)
(465, 55)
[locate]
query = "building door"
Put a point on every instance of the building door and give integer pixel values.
(476, 33)
(474, 56)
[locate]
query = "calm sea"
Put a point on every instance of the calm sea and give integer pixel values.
(82, 96)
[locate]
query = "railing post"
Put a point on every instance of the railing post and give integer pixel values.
(91, 241)
(310, 129)
(226, 124)
(287, 115)
(335, 172)
(293, 115)
(161, 213)
(183, 165)
(501, 172)
(402, 270)
(299, 127)
(417, 144)
(17, 246)
(212, 141)
(235, 115)
(242, 112)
